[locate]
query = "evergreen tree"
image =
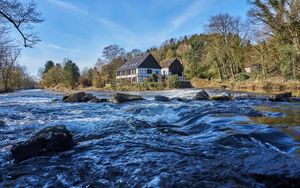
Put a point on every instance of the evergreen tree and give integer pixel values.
(49, 64)
(71, 74)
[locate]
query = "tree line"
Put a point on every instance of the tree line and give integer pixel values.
(68, 75)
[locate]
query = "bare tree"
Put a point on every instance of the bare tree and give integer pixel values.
(8, 67)
(225, 25)
(21, 16)
(136, 52)
(112, 52)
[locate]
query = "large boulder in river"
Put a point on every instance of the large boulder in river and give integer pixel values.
(80, 97)
(220, 98)
(161, 98)
(76, 97)
(202, 95)
(282, 97)
(48, 140)
(122, 97)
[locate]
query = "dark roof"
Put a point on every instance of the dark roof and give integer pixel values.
(166, 63)
(136, 62)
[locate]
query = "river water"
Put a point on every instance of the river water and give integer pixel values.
(238, 143)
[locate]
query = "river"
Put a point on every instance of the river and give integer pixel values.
(238, 143)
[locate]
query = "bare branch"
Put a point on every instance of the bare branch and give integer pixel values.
(22, 17)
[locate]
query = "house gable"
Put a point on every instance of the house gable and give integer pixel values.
(172, 67)
(176, 64)
(149, 62)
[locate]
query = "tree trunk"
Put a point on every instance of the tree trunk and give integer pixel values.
(219, 71)
(263, 66)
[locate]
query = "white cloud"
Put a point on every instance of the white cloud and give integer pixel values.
(110, 25)
(58, 47)
(68, 6)
(68, 35)
(189, 12)
(113, 26)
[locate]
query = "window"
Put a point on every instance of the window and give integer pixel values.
(157, 72)
(133, 71)
(118, 73)
(149, 71)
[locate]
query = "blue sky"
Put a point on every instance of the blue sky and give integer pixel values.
(79, 29)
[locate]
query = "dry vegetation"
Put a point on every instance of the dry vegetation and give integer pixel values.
(260, 86)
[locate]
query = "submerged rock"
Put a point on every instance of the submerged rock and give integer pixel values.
(244, 97)
(2, 123)
(284, 171)
(96, 100)
(81, 97)
(282, 97)
(295, 99)
(55, 100)
(161, 98)
(220, 98)
(50, 139)
(122, 97)
(202, 95)
(180, 99)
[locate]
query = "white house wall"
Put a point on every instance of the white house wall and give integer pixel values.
(128, 76)
(142, 73)
(165, 72)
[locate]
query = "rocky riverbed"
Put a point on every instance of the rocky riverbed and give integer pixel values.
(181, 142)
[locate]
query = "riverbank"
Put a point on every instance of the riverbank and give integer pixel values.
(258, 86)
(14, 90)
(109, 88)
(261, 87)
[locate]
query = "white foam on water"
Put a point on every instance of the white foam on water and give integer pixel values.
(62, 179)
(155, 113)
(154, 183)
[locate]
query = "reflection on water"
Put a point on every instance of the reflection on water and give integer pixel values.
(279, 115)
(296, 92)
(284, 117)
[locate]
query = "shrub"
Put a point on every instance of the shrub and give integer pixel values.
(84, 82)
(146, 80)
(153, 77)
(173, 81)
(243, 77)
(53, 77)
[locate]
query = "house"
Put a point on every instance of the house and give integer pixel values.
(172, 67)
(135, 70)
